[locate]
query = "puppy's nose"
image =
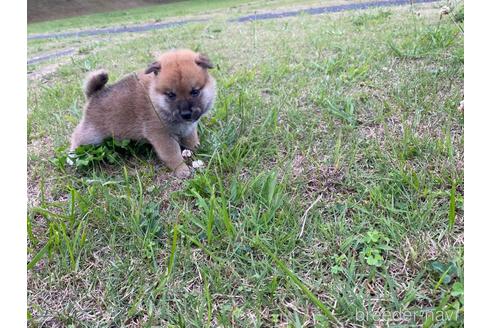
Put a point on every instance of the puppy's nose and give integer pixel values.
(186, 115)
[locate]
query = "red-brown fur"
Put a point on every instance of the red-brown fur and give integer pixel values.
(141, 107)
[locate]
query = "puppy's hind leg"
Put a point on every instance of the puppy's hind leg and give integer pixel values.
(85, 134)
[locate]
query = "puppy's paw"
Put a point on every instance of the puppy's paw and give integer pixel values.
(182, 171)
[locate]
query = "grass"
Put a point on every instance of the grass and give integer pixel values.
(157, 13)
(348, 121)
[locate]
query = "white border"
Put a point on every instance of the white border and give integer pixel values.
(478, 210)
(478, 132)
(13, 189)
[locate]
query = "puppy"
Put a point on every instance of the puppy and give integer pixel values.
(161, 104)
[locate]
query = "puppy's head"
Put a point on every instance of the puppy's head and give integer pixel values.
(181, 88)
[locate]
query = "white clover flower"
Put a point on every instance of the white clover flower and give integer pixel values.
(71, 156)
(198, 164)
(186, 153)
(444, 11)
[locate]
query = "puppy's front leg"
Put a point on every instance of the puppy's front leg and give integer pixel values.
(191, 141)
(169, 152)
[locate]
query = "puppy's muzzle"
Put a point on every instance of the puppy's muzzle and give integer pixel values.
(187, 115)
(191, 115)
(188, 112)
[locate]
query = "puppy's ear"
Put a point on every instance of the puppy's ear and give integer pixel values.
(155, 68)
(203, 61)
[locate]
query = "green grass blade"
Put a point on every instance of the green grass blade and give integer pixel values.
(224, 211)
(441, 279)
(201, 202)
(39, 255)
(165, 277)
(337, 151)
(271, 184)
(30, 233)
(72, 206)
(68, 244)
(322, 307)
(224, 214)
(210, 219)
(170, 265)
(208, 297)
(46, 213)
(452, 206)
(202, 247)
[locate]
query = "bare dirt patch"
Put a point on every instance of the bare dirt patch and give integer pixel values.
(43, 10)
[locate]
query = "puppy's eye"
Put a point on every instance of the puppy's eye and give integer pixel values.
(170, 95)
(195, 93)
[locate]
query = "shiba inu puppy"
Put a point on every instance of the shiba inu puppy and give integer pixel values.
(161, 104)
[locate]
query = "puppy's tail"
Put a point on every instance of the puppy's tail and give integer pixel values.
(95, 81)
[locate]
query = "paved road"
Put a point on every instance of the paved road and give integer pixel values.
(113, 30)
(329, 9)
(248, 18)
(51, 55)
